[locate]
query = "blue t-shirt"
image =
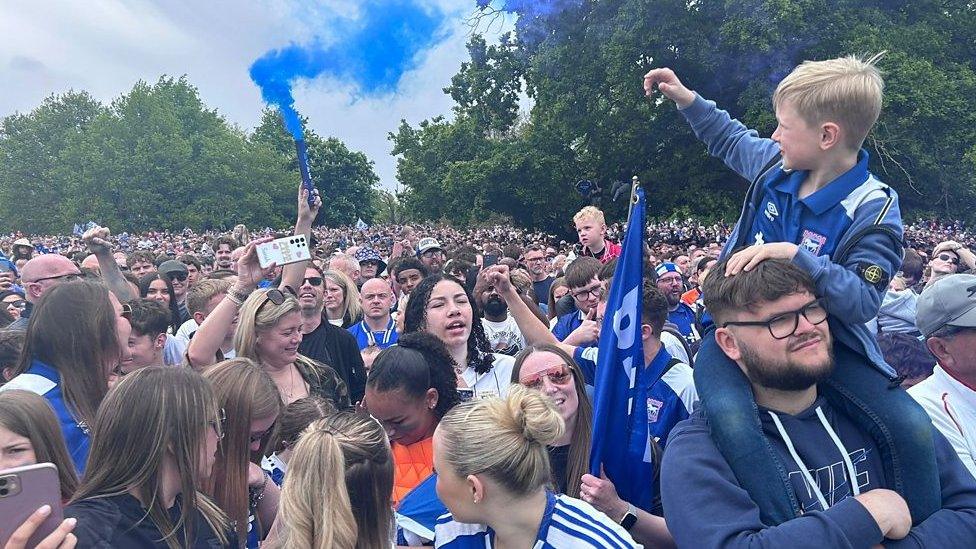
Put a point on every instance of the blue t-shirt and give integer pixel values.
(567, 522)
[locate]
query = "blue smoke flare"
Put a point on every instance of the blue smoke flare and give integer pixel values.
(371, 52)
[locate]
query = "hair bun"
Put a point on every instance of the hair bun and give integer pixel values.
(534, 416)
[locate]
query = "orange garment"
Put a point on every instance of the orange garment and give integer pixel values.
(411, 465)
(691, 296)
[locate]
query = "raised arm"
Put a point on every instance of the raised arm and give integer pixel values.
(293, 273)
(97, 241)
(203, 347)
(533, 329)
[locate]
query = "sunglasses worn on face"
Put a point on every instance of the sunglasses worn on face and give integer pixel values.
(784, 325)
(178, 276)
(558, 375)
(949, 258)
(313, 281)
(19, 304)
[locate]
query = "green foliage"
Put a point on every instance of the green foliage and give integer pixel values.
(582, 67)
(158, 158)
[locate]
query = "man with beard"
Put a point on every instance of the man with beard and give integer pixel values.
(431, 254)
(773, 326)
(324, 342)
(223, 249)
(672, 285)
(502, 330)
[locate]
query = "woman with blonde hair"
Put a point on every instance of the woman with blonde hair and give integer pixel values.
(337, 492)
(153, 443)
(342, 304)
(269, 331)
(30, 434)
(493, 473)
(251, 404)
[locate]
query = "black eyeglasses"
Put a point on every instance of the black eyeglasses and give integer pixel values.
(19, 304)
(178, 276)
(67, 277)
(784, 325)
(313, 281)
(583, 293)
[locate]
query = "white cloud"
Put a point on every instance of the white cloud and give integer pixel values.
(104, 47)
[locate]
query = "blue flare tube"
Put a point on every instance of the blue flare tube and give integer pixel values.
(303, 167)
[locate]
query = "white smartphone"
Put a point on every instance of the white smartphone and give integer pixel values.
(285, 250)
(24, 490)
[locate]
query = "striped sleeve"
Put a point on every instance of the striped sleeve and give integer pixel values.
(576, 523)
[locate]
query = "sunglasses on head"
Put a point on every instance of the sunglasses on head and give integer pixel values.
(276, 296)
(178, 276)
(558, 375)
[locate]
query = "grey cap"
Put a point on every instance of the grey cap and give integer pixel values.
(172, 266)
(950, 301)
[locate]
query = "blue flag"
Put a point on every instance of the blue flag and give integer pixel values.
(620, 355)
(419, 510)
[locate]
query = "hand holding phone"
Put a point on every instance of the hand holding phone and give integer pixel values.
(23, 492)
(289, 249)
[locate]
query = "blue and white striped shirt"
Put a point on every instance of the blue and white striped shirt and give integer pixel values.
(567, 522)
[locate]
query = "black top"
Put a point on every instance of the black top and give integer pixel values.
(121, 521)
(325, 382)
(559, 462)
(335, 347)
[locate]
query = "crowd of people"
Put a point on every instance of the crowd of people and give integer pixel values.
(423, 385)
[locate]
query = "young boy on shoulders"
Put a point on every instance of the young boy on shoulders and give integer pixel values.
(812, 202)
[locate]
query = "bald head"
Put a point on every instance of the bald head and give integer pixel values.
(43, 272)
(377, 300)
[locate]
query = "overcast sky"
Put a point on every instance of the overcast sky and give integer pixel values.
(104, 47)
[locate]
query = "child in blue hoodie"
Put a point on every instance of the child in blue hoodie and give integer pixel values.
(812, 202)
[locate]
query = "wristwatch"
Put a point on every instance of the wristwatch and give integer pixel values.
(630, 517)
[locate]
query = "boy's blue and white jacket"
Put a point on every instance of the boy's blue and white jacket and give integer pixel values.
(847, 213)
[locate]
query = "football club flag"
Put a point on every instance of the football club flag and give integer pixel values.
(361, 225)
(621, 353)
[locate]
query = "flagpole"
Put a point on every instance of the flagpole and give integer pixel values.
(634, 184)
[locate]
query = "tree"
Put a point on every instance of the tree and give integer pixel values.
(158, 158)
(582, 62)
(31, 196)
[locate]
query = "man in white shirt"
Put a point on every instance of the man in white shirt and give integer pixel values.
(946, 316)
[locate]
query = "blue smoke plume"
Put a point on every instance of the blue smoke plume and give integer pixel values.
(532, 25)
(371, 52)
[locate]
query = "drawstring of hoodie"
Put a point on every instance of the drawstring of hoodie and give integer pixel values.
(805, 471)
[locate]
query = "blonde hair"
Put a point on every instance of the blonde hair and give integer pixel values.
(338, 487)
(590, 212)
(351, 305)
(202, 292)
(154, 412)
(847, 91)
(259, 314)
(503, 439)
(245, 392)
